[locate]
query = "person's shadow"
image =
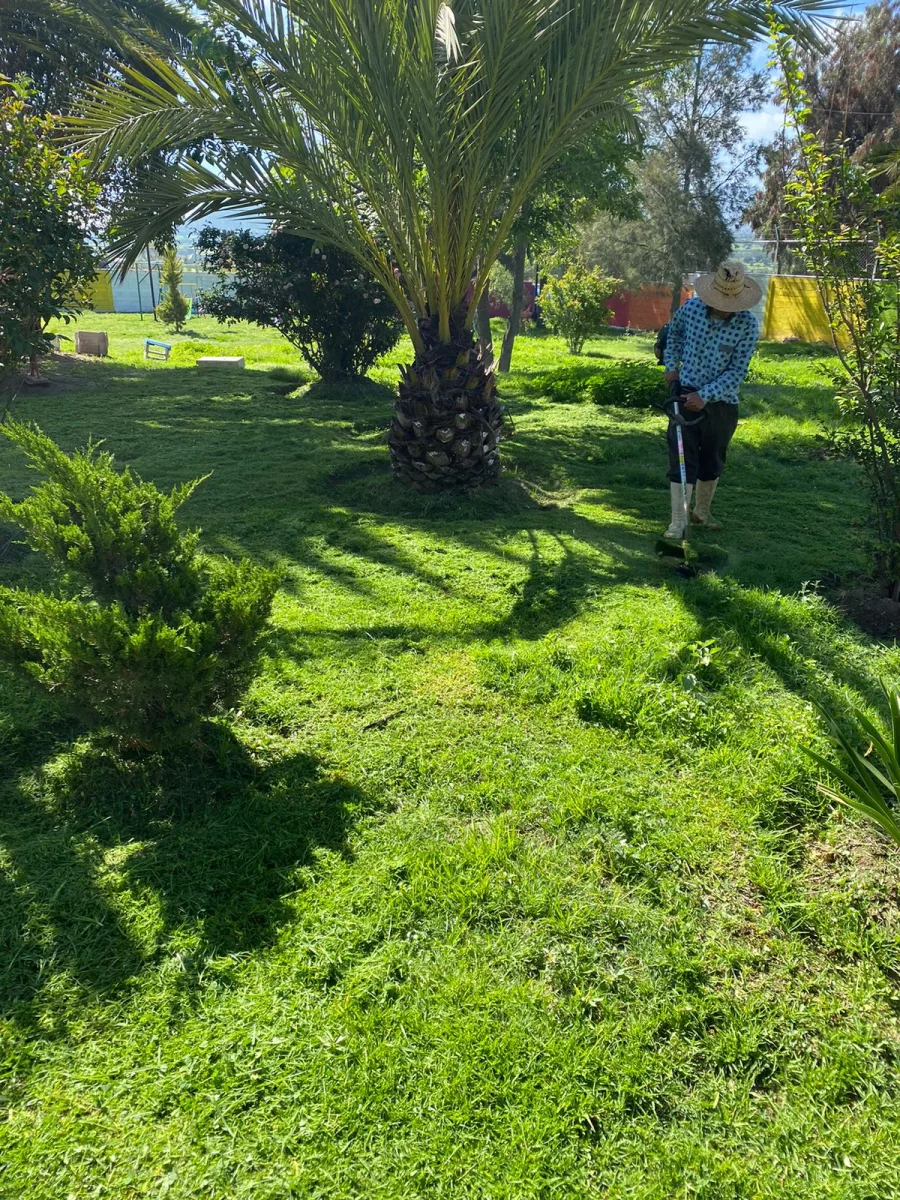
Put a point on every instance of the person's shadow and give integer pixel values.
(116, 867)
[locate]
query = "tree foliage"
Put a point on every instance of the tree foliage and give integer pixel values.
(173, 306)
(678, 232)
(143, 636)
(47, 201)
(852, 89)
(339, 318)
(411, 136)
(63, 47)
(836, 214)
(694, 182)
(431, 125)
(591, 177)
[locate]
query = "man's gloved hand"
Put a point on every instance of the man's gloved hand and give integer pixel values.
(692, 402)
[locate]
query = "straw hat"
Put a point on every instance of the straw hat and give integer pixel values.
(730, 289)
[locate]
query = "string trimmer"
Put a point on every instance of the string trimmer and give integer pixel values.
(689, 559)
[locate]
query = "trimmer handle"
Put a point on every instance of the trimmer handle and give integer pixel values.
(672, 408)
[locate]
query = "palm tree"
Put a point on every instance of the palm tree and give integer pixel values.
(63, 47)
(408, 133)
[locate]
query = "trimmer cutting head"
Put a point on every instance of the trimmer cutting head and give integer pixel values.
(677, 550)
(691, 559)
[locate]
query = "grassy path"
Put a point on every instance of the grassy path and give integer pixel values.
(513, 882)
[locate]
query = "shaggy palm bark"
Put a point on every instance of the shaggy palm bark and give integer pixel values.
(448, 423)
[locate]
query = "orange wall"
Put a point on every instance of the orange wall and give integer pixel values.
(647, 308)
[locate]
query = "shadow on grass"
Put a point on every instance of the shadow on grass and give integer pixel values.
(808, 648)
(115, 867)
(302, 481)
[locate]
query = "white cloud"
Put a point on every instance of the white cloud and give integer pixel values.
(762, 126)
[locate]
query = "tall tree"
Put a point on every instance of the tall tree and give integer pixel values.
(590, 178)
(677, 232)
(47, 201)
(853, 98)
(766, 214)
(696, 180)
(411, 134)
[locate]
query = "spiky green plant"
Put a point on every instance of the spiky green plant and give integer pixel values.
(142, 636)
(871, 777)
(409, 133)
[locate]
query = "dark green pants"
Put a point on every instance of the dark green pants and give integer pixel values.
(705, 444)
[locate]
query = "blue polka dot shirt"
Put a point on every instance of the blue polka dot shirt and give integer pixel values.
(712, 356)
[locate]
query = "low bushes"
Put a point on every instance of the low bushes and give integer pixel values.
(626, 384)
(629, 384)
(143, 637)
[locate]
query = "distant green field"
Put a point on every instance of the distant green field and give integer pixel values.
(514, 882)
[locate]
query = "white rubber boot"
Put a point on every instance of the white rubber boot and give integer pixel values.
(706, 489)
(676, 531)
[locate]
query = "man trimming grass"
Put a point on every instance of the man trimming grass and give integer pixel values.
(710, 343)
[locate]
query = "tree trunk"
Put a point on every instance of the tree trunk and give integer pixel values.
(676, 297)
(515, 313)
(485, 340)
(447, 422)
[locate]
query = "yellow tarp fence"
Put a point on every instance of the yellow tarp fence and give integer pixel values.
(794, 309)
(99, 293)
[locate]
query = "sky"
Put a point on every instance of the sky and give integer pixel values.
(763, 125)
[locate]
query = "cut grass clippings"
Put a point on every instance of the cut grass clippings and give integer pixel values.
(511, 880)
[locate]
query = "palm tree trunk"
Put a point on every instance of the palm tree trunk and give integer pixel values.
(515, 312)
(447, 423)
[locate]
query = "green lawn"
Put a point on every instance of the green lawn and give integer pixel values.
(514, 882)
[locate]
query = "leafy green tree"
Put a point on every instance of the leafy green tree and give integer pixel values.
(590, 178)
(837, 216)
(576, 306)
(63, 47)
(339, 318)
(47, 203)
(173, 306)
(678, 232)
(411, 136)
(695, 182)
(852, 85)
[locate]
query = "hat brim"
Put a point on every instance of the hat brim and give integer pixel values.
(747, 297)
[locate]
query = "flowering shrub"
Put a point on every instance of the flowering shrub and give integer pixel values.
(337, 316)
(575, 306)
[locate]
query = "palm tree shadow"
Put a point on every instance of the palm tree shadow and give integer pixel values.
(211, 847)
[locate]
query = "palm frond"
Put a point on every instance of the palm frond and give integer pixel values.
(869, 789)
(151, 25)
(409, 132)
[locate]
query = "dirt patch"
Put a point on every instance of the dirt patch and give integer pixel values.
(857, 860)
(873, 611)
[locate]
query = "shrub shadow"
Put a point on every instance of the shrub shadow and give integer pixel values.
(210, 846)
